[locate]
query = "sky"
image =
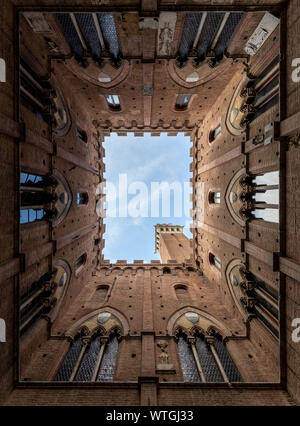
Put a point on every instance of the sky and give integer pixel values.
(150, 160)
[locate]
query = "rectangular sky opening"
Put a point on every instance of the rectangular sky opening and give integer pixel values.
(147, 182)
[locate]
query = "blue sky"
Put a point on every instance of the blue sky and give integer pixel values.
(144, 159)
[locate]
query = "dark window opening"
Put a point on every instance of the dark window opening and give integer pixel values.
(82, 135)
(182, 101)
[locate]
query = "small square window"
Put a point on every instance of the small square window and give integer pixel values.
(113, 101)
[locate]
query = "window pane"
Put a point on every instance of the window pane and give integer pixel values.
(40, 214)
(88, 363)
(269, 197)
(269, 215)
(187, 361)
(228, 365)
(217, 132)
(23, 177)
(271, 178)
(217, 197)
(116, 99)
(24, 216)
(109, 360)
(32, 215)
(66, 367)
(207, 361)
(217, 262)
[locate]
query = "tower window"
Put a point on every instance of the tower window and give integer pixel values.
(81, 134)
(113, 101)
(215, 134)
(82, 198)
(182, 101)
(214, 198)
(31, 215)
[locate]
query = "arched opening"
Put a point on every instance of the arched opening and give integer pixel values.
(182, 292)
(100, 294)
(166, 270)
(90, 358)
(182, 102)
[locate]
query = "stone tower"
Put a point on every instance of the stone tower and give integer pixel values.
(172, 244)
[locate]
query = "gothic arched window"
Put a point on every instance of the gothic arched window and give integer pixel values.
(206, 359)
(44, 197)
(90, 359)
(251, 197)
(266, 197)
(254, 296)
(33, 197)
(36, 301)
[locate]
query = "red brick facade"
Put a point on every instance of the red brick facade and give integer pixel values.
(147, 303)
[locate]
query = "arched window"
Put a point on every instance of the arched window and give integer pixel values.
(215, 261)
(34, 92)
(34, 195)
(166, 270)
(80, 262)
(113, 102)
(260, 93)
(100, 294)
(81, 134)
(36, 301)
(214, 198)
(187, 360)
(90, 359)
(254, 197)
(266, 197)
(204, 358)
(215, 134)
(82, 198)
(44, 197)
(181, 292)
(182, 101)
